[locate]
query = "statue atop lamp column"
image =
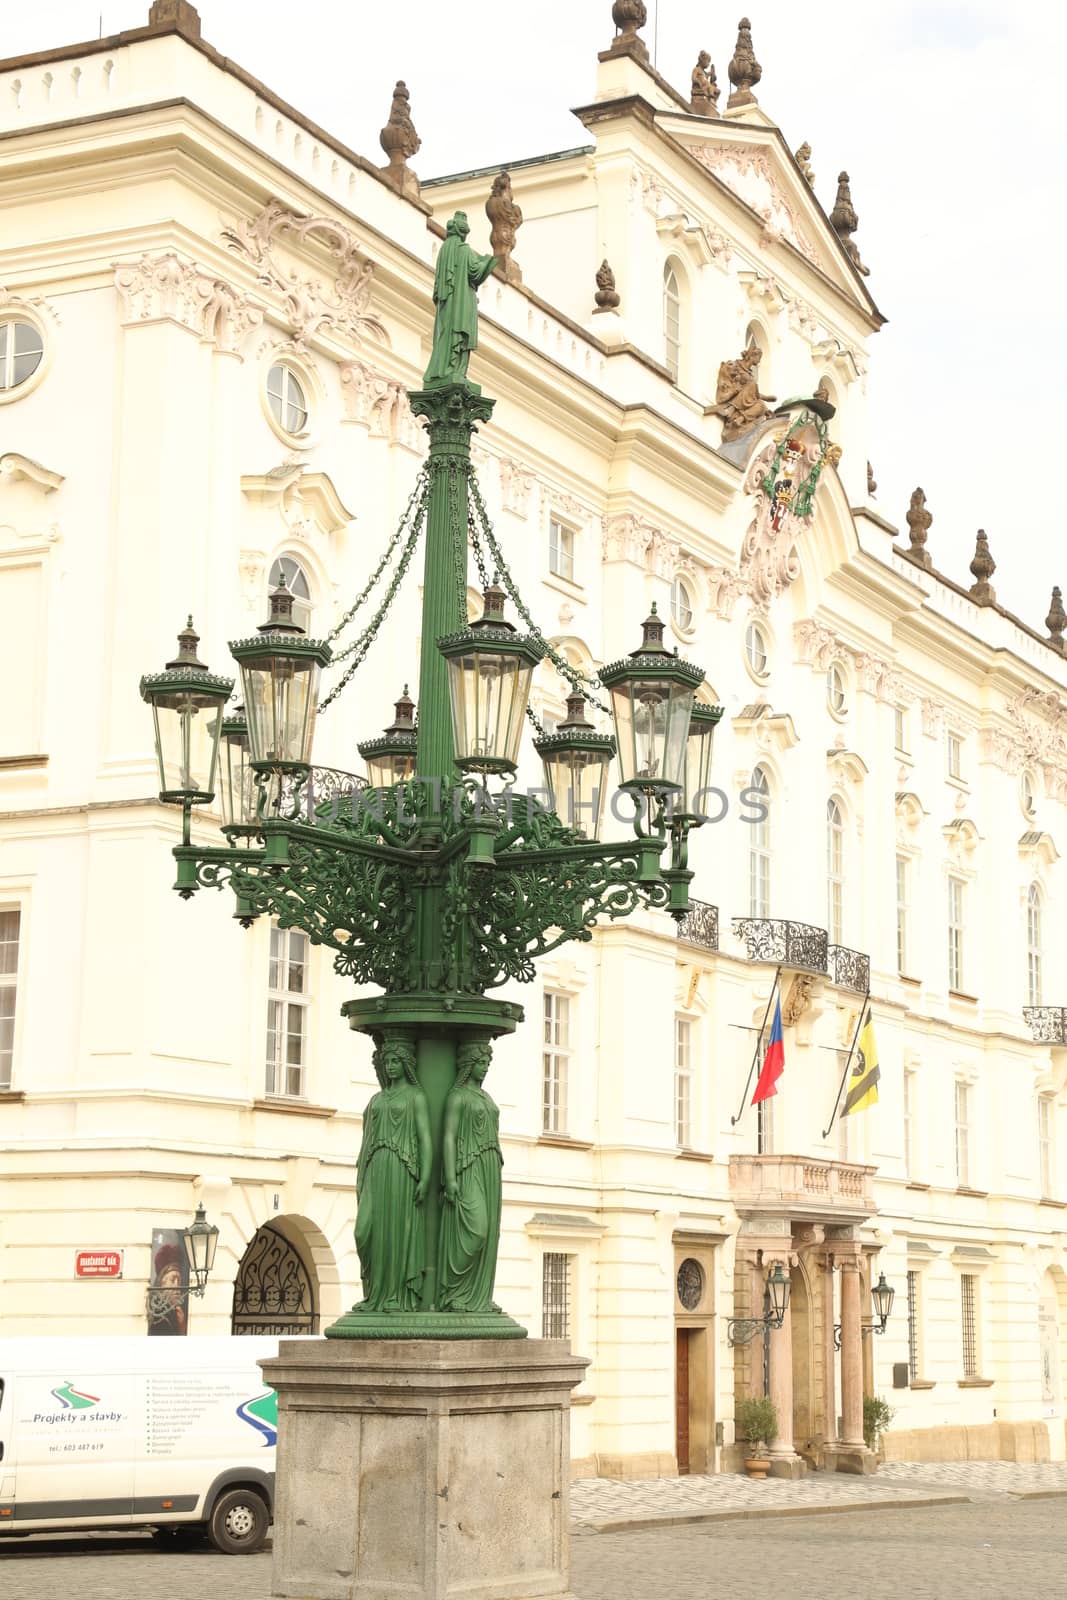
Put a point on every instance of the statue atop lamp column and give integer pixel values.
(459, 273)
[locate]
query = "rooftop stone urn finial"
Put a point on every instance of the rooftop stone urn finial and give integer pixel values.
(982, 569)
(400, 142)
(1056, 621)
(919, 521)
(180, 14)
(607, 296)
(745, 71)
(628, 16)
(704, 88)
(455, 326)
(844, 221)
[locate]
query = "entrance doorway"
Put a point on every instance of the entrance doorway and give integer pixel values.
(682, 1342)
(275, 1289)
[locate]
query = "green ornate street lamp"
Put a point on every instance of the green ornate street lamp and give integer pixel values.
(431, 889)
(183, 697)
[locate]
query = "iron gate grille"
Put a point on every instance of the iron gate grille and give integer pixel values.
(273, 1293)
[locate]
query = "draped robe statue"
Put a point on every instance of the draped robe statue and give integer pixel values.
(470, 1222)
(455, 328)
(393, 1177)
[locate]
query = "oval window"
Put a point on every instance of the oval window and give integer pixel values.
(756, 649)
(681, 605)
(21, 353)
(285, 396)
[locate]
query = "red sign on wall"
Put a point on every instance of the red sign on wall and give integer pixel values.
(98, 1263)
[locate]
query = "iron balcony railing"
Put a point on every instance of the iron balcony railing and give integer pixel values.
(1047, 1024)
(797, 945)
(849, 969)
(700, 925)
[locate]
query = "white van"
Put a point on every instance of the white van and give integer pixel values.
(176, 1435)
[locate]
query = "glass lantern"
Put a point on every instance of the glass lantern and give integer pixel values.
(778, 1287)
(187, 702)
(391, 757)
(652, 694)
(238, 780)
(576, 759)
(201, 1240)
(883, 1295)
(280, 673)
(698, 750)
(490, 668)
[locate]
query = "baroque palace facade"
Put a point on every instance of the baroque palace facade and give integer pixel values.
(210, 313)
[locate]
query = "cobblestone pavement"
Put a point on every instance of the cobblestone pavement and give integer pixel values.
(992, 1550)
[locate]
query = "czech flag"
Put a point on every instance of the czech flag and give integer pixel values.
(773, 1061)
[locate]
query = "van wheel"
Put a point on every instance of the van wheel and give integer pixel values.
(239, 1522)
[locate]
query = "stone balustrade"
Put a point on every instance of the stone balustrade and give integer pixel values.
(838, 1191)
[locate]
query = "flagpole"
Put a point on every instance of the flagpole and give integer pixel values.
(755, 1054)
(848, 1063)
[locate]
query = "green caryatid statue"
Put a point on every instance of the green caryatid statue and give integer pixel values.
(393, 1177)
(455, 327)
(472, 1162)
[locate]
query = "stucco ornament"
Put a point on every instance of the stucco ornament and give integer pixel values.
(166, 287)
(341, 309)
(756, 180)
(783, 477)
(381, 404)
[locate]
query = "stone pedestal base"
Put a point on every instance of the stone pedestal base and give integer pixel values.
(422, 1469)
(850, 1458)
(792, 1466)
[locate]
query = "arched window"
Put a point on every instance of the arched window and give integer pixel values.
(759, 849)
(1033, 945)
(835, 870)
(296, 581)
(754, 334)
(681, 605)
(672, 322)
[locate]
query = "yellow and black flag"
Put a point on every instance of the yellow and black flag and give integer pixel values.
(863, 1080)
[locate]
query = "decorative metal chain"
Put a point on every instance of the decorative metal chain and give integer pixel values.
(356, 652)
(579, 681)
(417, 494)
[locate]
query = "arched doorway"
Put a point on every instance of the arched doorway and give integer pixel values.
(1052, 1345)
(275, 1291)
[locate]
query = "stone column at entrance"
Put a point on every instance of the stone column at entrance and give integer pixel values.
(851, 1453)
(785, 1463)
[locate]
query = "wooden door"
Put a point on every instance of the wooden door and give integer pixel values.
(681, 1399)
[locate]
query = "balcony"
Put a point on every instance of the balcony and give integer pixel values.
(802, 1186)
(796, 945)
(1047, 1024)
(849, 969)
(700, 925)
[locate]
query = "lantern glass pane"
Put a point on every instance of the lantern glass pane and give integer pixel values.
(385, 770)
(187, 734)
(238, 783)
(577, 781)
(698, 763)
(281, 699)
(489, 693)
(622, 712)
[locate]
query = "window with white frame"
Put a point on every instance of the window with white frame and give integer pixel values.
(835, 870)
(556, 1058)
(287, 1012)
(765, 1127)
(287, 570)
(900, 729)
(10, 922)
(902, 913)
(1045, 1157)
(561, 542)
(683, 1082)
(1033, 945)
(555, 1295)
(969, 1323)
(913, 1326)
(759, 850)
(955, 754)
(286, 398)
(681, 605)
(21, 352)
(757, 654)
(909, 1125)
(956, 895)
(836, 691)
(1027, 794)
(672, 322)
(963, 1133)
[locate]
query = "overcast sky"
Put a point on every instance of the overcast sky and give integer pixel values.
(947, 117)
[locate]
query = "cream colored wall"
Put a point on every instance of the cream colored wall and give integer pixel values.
(141, 1019)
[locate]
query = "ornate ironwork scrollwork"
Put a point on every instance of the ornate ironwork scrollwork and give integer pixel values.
(273, 1292)
(849, 969)
(1047, 1024)
(700, 925)
(797, 945)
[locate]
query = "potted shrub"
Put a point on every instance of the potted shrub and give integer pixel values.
(877, 1415)
(756, 1421)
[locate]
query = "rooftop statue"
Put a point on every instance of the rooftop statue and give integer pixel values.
(455, 327)
(803, 161)
(737, 397)
(704, 89)
(505, 220)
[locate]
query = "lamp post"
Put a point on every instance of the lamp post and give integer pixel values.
(435, 889)
(742, 1330)
(882, 1295)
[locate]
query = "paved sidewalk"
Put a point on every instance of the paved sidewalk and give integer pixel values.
(601, 1505)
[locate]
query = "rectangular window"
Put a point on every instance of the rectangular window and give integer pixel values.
(9, 969)
(955, 755)
(683, 1082)
(900, 729)
(913, 1326)
(963, 1134)
(287, 1012)
(902, 914)
(561, 549)
(556, 1062)
(956, 887)
(909, 1125)
(759, 882)
(555, 1296)
(1044, 1145)
(969, 1323)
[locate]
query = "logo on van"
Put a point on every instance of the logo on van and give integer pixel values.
(262, 1414)
(72, 1399)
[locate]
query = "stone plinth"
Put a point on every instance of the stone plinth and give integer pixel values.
(422, 1468)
